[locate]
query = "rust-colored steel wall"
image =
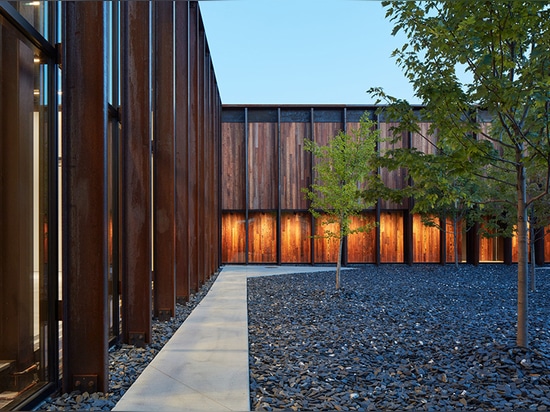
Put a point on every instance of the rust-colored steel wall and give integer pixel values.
(186, 207)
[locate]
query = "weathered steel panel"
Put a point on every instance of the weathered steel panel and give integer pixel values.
(136, 171)
(181, 149)
(85, 269)
(193, 146)
(164, 171)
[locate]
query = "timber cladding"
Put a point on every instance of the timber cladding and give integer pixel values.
(265, 216)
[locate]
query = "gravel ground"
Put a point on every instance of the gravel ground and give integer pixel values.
(126, 363)
(397, 337)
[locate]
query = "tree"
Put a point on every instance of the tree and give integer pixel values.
(441, 191)
(343, 167)
(466, 59)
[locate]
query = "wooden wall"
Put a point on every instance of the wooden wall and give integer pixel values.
(262, 165)
(265, 216)
(296, 237)
(295, 165)
(361, 247)
(233, 158)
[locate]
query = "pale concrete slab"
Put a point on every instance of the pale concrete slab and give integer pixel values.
(204, 366)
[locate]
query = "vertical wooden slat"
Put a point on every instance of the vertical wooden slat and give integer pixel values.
(278, 164)
(164, 162)
(246, 184)
(136, 173)
(85, 320)
(311, 174)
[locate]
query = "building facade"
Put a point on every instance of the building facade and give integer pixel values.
(265, 216)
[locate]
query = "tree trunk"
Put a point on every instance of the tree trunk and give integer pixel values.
(339, 262)
(522, 339)
(455, 236)
(532, 282)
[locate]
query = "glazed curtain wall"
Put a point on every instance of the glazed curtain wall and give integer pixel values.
(265, 216)
(29, 327)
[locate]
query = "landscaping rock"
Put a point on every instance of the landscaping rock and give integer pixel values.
(397, 337)
(126, 363)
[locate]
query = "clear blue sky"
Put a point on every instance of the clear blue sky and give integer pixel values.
(302, 51)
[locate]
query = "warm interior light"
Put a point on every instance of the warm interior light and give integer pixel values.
(34, 3)
(36, 92)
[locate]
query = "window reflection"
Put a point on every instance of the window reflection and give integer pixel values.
(24, 219)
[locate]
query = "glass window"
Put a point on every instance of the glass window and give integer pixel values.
(26, 300)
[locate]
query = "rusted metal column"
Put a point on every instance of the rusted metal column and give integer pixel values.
(136, 173)
(201, 173)
(85, 257)
(164, 172)
(16, 204)
(192, 154)
(212, 170)
(182, 113)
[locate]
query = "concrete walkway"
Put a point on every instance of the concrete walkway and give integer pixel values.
(204, 366)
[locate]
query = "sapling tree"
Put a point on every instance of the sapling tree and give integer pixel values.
(342, 169)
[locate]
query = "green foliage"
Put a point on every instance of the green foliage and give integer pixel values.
(343, 167)
(482, 71)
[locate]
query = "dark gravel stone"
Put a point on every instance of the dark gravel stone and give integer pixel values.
(126, 363)
(397, 337)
